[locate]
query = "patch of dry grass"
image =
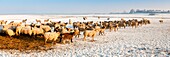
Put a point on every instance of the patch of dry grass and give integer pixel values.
(23, 43)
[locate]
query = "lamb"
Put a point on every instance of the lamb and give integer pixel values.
(89, 33)
(52, 36)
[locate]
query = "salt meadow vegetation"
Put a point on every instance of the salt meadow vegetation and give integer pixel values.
(104, 38)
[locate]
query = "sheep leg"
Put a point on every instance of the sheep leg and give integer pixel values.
(78, 36)
(45, 41)
(71, 40)
(92, 38)
(135, 26)
(104, 33)
(64, 41)
(100, 32)
(60, 39)
(110, 29)
(17, 33)
(115, 29)
(75, 36)
(9, 36)
(84, 38)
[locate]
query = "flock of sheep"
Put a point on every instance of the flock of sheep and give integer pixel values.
(53, 31)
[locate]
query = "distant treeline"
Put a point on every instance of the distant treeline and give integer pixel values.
(149, 11)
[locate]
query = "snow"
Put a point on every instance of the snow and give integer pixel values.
(150, 40)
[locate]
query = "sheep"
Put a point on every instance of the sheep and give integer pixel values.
(146, 21)
(98, 17)
(134, 23)
(24, 21)
(76, 32)
(113, 26)
(128, 23)
(38, 20)
(15, 23)
(89, 33)
(68, 36)
(161, 21)
(76, 24)
(18, 30)
(3, 22)
(37, 31)
(101, 31)
(10, 32)
(64, 30)
(46, 28)
(57, 25)
(26, 30)
(70, 22)
(97, 28)
(47, 20)
(52, 36)
(140, 22)
(6, 26)
(84, 18)
(4, 29)
(121, 24)
(82, 27)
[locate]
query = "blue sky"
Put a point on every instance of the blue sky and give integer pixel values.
(79, 6)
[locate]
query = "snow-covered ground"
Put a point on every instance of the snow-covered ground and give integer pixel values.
(152, 40)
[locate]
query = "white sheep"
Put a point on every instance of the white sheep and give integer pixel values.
(26, 30)
(53, 36)
(10, 32)
(18, 30)
(37, 31)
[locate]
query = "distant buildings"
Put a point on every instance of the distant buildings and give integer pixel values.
(148, 11)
